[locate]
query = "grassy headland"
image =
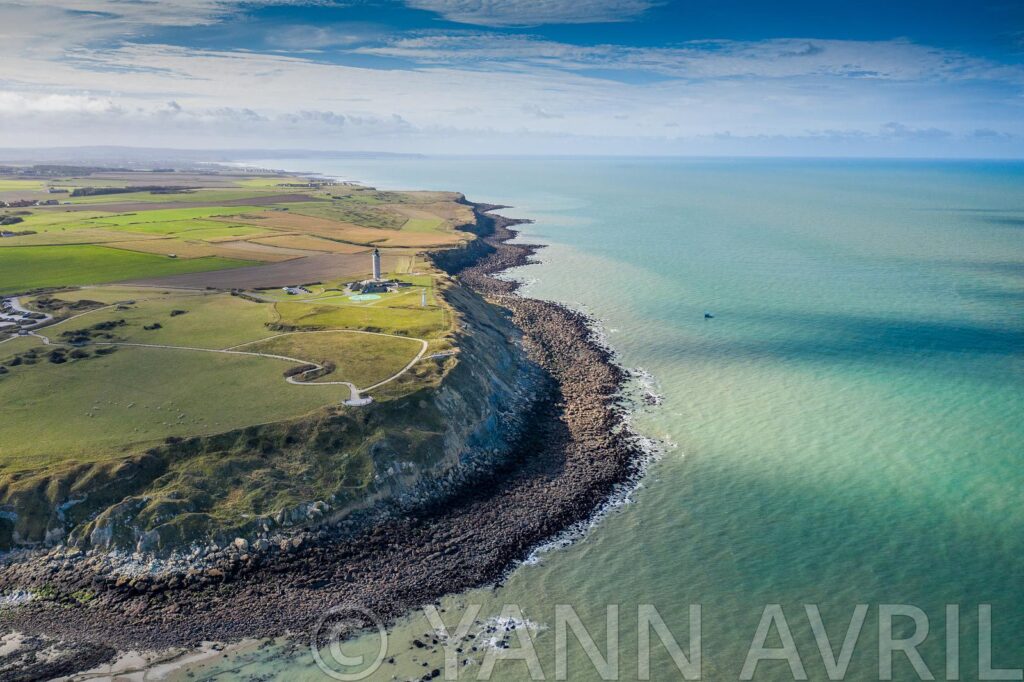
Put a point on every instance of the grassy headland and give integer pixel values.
(123, 370)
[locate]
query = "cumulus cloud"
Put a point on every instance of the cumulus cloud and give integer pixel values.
(534, 12)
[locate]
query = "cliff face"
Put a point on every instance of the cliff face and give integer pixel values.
(339, 466)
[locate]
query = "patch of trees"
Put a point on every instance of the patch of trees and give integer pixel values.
(100, 330)
(11, 220)
(51, 304)
(152, 327)
(175, 313)
(57, 356)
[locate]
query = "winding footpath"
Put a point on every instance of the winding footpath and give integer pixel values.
(356, 398)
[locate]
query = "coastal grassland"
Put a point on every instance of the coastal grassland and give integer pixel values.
(115, 293)
(182, 247)
(350, 232)
(398, 313)
(103, 398)
(64, 238)
(200, 195)
(309, 243)
(45, 221)
(172, 215)
(346, 212)
(17, 345)
(351, 211)
(192, 229)
(423, 225)
(196, 319)
(363, 359)
(109, 406)
(24, 268)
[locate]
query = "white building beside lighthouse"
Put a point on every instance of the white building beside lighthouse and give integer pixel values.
(376, 265)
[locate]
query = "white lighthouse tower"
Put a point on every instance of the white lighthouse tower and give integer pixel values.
(376, 265)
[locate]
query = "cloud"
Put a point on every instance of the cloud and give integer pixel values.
(160, 12)
(534, 12)
(305, 37)
(19, 104)
(899, 130)
(77, 76)
(989, 134)
(101, 116)
(778, 58)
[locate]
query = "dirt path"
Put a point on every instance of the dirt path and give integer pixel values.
(355, 397)
(419, 355)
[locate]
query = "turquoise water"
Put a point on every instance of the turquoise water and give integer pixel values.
(847, 429)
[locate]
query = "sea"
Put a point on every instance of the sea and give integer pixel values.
(828, 361)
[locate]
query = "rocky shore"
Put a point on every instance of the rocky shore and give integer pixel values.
(563, 469)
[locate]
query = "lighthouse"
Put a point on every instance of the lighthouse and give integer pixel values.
(376, 265)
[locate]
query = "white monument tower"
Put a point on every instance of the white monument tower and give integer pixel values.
(376, 265)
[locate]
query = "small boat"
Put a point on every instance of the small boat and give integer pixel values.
(708, 316)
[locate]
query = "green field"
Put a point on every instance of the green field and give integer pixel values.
(209, 229)
(102, 407)
(169, 215)
(423, 225)
(7, 185)
(30, 267)
(199, 195)
(351, 211)
(363, 359)
(56, 220)
(203, 321)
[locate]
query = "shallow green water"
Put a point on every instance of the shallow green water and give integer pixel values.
(846, 430)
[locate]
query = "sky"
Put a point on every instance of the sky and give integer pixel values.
(874, 78)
